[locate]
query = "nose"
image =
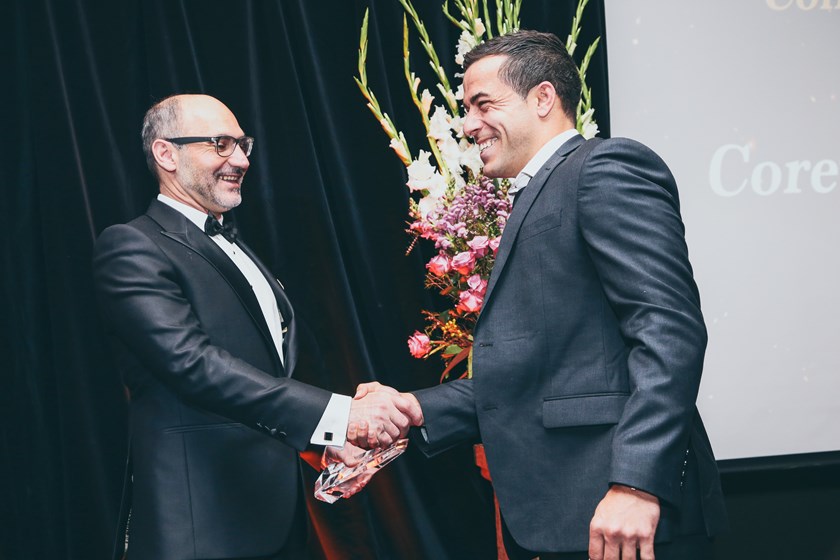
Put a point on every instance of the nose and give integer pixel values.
(471, 125)
(238, 158)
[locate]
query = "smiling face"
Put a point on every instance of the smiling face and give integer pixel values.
(504, 125)
(198, 176)
(215, 183)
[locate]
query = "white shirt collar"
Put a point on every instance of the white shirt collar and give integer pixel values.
(194, 215)
(533, 166)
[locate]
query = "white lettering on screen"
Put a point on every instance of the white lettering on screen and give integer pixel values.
(766, 178)
(804, 5)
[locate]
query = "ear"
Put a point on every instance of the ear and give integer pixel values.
(165, 154)
(545, 96)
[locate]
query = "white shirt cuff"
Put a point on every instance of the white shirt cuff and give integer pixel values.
(332, 429)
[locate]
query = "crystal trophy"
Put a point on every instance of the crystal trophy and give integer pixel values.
(334, 480)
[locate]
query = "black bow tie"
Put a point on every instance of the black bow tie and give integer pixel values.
(212, 227)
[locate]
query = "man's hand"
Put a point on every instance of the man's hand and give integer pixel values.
(624, 521)
(350, 456)
(380, 415)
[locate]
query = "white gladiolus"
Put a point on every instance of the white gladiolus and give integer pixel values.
(399, 148)
(466, 42)
(383, 122)
(427, 204)
(451, 153)
(589, 128)
(437, 185)
(423, 176)
(421, 173)
(426, 100)
(457, 126)
(439, 124)
(470, 156)
(450, 98)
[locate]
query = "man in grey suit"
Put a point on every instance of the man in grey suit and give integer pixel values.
(588, 351)
(206, 343)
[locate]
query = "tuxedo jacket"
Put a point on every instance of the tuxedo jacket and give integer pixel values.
(587, 354)
(216, 420)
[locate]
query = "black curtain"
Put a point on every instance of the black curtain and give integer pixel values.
(324, 206)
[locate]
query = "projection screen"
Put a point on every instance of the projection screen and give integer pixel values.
(742, 100)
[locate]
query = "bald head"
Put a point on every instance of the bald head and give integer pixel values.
(181, 139)
(172, 116)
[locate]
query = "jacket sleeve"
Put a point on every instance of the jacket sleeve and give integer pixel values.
(449, 414)
(630, 220)
(145, 307)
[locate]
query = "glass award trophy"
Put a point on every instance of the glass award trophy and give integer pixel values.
(334, 480)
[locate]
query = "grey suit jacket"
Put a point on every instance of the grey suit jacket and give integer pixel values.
(215, 418)
(588, 354)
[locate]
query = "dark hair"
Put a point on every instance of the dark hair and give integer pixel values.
(161, 121)
(533, 57)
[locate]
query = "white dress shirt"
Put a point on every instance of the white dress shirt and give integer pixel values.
(332, 428)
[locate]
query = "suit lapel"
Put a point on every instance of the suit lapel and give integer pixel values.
(178, 228)
(286, 310)
(523, 205)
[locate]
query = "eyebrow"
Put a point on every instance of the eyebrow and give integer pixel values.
(476, 96)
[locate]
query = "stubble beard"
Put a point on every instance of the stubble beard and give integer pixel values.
(209, 189)
(221, 197)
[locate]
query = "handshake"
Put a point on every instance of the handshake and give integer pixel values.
(379, 417)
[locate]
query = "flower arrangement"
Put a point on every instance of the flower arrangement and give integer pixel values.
(453, 205)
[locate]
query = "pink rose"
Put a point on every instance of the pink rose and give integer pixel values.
(421, 228)
(494, 244)
(463, 262)
(479, 245)
(477, 284)
(470, 301)
(419, 345)
(438, 265)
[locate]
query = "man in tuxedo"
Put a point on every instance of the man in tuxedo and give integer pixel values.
(589, 348)
(205, 340)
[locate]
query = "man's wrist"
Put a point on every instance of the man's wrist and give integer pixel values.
(635, 491)
(418, 419)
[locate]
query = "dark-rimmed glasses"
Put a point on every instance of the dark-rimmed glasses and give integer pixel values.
(225, 145)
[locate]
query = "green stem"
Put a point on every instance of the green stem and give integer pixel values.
(434, 61)
(413, 86)
(372, 103)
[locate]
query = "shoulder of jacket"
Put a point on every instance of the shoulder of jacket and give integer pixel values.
(620, 144)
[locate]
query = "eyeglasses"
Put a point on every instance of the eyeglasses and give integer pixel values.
(225, 145)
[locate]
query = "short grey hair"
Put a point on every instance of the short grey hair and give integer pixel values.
(162, 120)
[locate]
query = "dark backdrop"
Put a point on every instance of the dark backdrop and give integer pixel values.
(324, 206)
